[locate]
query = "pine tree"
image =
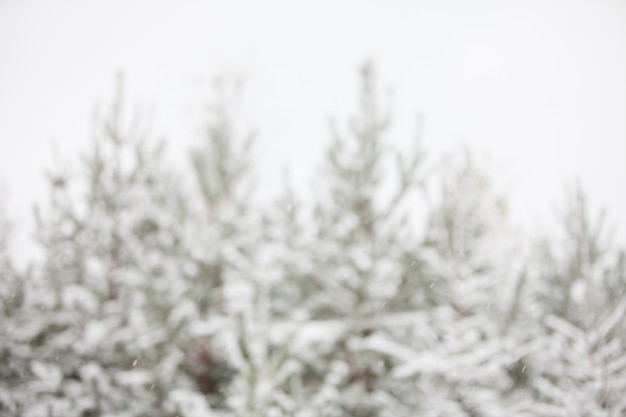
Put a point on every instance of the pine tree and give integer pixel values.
(579, 271)
(462, 349)
(114, 278)
(234, 257)
(356, 219)
(221, 232)
(154, 299)
(358, 257)
(581, 284)
(14, 348)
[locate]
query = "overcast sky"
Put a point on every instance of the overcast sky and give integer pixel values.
(538, 84)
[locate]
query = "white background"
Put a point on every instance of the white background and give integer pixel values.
(540, 85)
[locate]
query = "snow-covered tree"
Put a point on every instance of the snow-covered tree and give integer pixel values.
(358, 259)
(236, 248)
(584, 369)
(395, 293)
(105, 340)
(462, 348)
(11, 289)
(14, 350)
(221, 235)
(579, 268)
(581, 286)
(363, 230)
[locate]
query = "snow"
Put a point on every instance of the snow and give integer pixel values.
(155, 300)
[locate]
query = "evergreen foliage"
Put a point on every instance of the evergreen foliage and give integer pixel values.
(153, 299)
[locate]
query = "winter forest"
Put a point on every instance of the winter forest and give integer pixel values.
(398, 287)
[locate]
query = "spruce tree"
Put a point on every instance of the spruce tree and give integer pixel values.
(581, 285)
(359, 258)
(157, 299)
(107, 341)
(14, 334)
(458, 354)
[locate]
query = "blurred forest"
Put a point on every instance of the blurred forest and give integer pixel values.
(158, 298)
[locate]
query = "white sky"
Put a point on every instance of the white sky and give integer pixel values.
(539, 84)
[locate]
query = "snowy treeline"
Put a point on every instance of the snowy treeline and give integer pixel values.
(156, 299)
